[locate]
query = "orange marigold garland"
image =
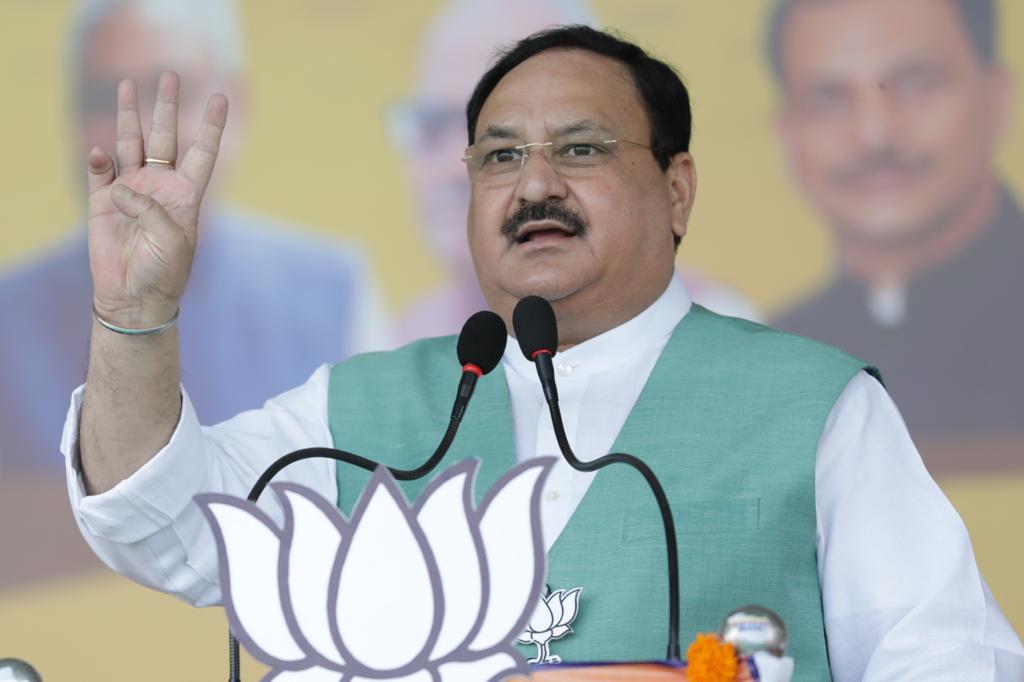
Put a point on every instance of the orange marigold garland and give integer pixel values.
(709, 660)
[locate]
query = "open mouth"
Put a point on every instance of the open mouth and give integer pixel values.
(544, 231)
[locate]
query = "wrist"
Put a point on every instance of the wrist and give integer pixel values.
(138, 321)
(135, 314)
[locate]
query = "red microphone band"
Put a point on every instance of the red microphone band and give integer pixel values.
(470, 367)
(542, 351)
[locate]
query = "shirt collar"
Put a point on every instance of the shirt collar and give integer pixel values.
(645, 333)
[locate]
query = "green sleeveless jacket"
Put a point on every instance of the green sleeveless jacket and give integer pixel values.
(729, 420)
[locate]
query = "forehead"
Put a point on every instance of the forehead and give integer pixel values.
(457, 50)
(126, 45)
(563, 86)
(865, 37)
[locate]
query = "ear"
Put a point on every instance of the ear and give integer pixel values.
(682, 183)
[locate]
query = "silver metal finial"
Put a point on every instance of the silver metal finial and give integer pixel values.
(755, 628)
(16, 670)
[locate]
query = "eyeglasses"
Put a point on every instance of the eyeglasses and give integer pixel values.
(417, 126)
(495, 162)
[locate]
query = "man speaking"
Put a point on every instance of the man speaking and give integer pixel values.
(790, 470)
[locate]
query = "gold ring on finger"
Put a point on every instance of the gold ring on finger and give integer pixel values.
(160, 162)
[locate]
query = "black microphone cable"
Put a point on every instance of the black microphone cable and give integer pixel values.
(480, 347)
(537, 333)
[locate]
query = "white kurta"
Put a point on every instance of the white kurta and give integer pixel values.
(903, 598)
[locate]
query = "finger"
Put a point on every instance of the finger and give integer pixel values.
(163, 132)
(129, 130)
(101, 169)
(198, 163)
(144, 208)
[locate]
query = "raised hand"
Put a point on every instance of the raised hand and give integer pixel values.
(143, 215)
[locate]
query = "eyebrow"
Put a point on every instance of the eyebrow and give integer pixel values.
(499, 133)
(585, 125)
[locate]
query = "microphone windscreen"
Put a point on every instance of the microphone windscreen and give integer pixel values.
(482, 341)
(535, 325)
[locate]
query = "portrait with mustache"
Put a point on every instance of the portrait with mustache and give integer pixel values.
(890, 117)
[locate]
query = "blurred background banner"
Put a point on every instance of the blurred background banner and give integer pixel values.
(859, 162)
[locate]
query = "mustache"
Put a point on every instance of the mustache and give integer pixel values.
(544, 210)
(887, 159)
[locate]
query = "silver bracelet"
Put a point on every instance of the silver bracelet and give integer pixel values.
(136, 332)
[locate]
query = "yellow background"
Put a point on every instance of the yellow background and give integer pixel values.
(338, 65)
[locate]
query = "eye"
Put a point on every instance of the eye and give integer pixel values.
(503, 156)
(582, 149)
(916, 80)
(827, 98)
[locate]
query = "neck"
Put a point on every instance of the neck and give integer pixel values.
(880, 263)
(579, 321)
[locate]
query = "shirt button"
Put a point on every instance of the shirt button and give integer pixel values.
(552, 496)
(564, 370)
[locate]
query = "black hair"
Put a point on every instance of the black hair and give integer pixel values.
(977, 16)
(663, 94)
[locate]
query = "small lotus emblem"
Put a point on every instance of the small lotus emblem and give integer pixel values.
(433, 592)
(551, 620)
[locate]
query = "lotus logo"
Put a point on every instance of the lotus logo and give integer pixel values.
(436, 591)
(551, 620)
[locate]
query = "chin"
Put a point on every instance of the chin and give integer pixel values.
(550, 285)
(891, 229)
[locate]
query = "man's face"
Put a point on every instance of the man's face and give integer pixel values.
(126, 47)
(430, 128)
(890, 117)
(630, 208)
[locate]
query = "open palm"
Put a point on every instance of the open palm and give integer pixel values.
(143, 214)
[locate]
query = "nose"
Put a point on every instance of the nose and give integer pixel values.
(538, 179)
(874, 123)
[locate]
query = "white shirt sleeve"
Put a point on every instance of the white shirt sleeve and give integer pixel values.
(903, 597)
(147, 526)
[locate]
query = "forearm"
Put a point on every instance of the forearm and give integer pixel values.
(148, 529)
(132, 403)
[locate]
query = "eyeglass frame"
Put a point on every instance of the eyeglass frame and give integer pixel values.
(524, 148)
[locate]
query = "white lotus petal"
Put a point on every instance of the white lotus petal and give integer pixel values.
(315, 674)
(442, 516)
(250, 547)
(554, 602)
(514, 554)
(542, 619)
(314, 542)
(494, 667)
(570, 604)
(560, 631)
(773, 668)
(385, 607)
(418, 676)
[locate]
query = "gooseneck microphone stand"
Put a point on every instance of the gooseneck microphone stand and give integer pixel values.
(480, 347)
(537, 334)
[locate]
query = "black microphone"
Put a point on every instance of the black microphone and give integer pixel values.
(479, 348)
(537, 333)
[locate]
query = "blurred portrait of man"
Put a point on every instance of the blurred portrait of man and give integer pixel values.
(429, 130)
(266, 302)
(891, 116)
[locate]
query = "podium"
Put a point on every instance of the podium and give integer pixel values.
(616, 672)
